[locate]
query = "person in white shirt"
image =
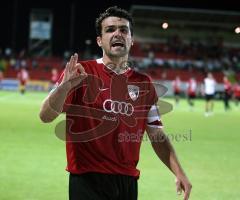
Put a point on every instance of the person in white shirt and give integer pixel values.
(209, 92)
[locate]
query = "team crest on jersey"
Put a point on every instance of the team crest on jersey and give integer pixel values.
(133, 92)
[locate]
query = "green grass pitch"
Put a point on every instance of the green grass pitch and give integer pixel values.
(32, 159)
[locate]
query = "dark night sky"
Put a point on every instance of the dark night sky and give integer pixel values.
(14, 15)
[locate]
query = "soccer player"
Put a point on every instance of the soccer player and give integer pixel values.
(191, 91)
(236, 92)
(209, 92)
(176, 84)
(108, 108)
(1, 78)
(23, 77)
(54, 78)
(227, 92)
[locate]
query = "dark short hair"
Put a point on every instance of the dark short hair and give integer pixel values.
(113, 12)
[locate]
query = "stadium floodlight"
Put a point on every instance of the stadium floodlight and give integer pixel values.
(165, 25)
(237, 30)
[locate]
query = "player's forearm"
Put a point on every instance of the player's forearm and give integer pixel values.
(170, 156)
(165, 151)
(53, 105)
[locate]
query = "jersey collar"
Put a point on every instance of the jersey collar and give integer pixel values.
(100, 61)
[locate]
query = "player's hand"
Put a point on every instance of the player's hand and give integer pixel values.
(183, 184)
(74, 72)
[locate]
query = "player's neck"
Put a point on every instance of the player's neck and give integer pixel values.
(119, 65)
(115, 60)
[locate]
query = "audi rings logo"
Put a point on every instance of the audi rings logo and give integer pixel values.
(118, 107)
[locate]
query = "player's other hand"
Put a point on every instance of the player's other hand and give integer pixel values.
(74, 72)
(183, 184)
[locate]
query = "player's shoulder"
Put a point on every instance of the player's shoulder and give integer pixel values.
(89, 63)
(141, 76)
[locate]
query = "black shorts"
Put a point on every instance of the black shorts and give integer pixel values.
(209, 97)
(97, 186)
(191, 96)
(238, 98)
(176, 93)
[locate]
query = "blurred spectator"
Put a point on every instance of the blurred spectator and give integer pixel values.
(8, 52)
(34, 63)
(3, 64)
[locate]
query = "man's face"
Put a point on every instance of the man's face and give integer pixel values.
(116, 39)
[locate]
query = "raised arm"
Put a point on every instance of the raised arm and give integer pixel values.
(52, 105)
(166, 153)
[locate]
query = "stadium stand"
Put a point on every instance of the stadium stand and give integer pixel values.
(193, 42)
(192, 45)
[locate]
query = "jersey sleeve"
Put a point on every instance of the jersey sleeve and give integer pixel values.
(153, 118)
(152, 96)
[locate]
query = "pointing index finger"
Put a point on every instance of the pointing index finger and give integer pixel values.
(75, 56)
